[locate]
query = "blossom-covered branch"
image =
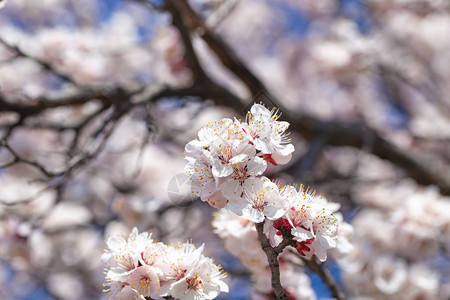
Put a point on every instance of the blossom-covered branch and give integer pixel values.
(226, 166)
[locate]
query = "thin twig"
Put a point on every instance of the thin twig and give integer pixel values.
(46, 65)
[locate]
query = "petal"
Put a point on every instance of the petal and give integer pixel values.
(274, 212)
(239, 158)
(193, 150)
(231, 189)
(256, 166)
(258, 109)
(301, 234)
(320, 252)
(207, 190)
(116, 243)
(217, 200)
(262, 146)
(237, 206)
(253, 215)
(280, 158)
(326, 241)
(221, 170)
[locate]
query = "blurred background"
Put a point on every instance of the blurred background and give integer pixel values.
(99, 97)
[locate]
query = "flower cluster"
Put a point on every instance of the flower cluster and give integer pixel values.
(226, 166)
(138, 267)
(229, 156)
(310, 220)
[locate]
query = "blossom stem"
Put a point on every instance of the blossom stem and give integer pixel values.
(272, 258)
(287, 241)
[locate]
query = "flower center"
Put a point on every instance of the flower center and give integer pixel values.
(240, 173)
(194, 282)
(225, 154)
(259, 201)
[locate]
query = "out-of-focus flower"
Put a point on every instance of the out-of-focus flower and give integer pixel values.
(418, 223)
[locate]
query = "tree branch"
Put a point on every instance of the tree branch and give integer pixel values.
(272, 258)
(314, 266)
(179, 21)
(340, 134)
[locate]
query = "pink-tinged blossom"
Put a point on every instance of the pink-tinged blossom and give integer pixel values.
(310, 220)
(202, 280)
(145, 280)
(138, 268)
(220, 153)
(123, 255)
(203, 183)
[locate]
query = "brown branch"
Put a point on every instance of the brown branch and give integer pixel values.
(226, 55)
(223, 12)
(53, 101)
(314, 266)
(17, 158)
(340, 134)
(120, 101)
(179, 21)
(272, 258)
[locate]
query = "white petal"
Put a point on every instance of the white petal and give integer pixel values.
(258, 109)
(221, 170)
(253, 214)
(256, 166)
(231, 189)
(320, 252)
(217, 200)
(208, 190)
(301, 234)
(193, 150)
(116, 243)
(237, 205)
(274, 212)
(326, 241)
(239, 158)
(262, 146)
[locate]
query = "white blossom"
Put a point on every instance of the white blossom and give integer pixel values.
(258, 198)
(138, 267)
